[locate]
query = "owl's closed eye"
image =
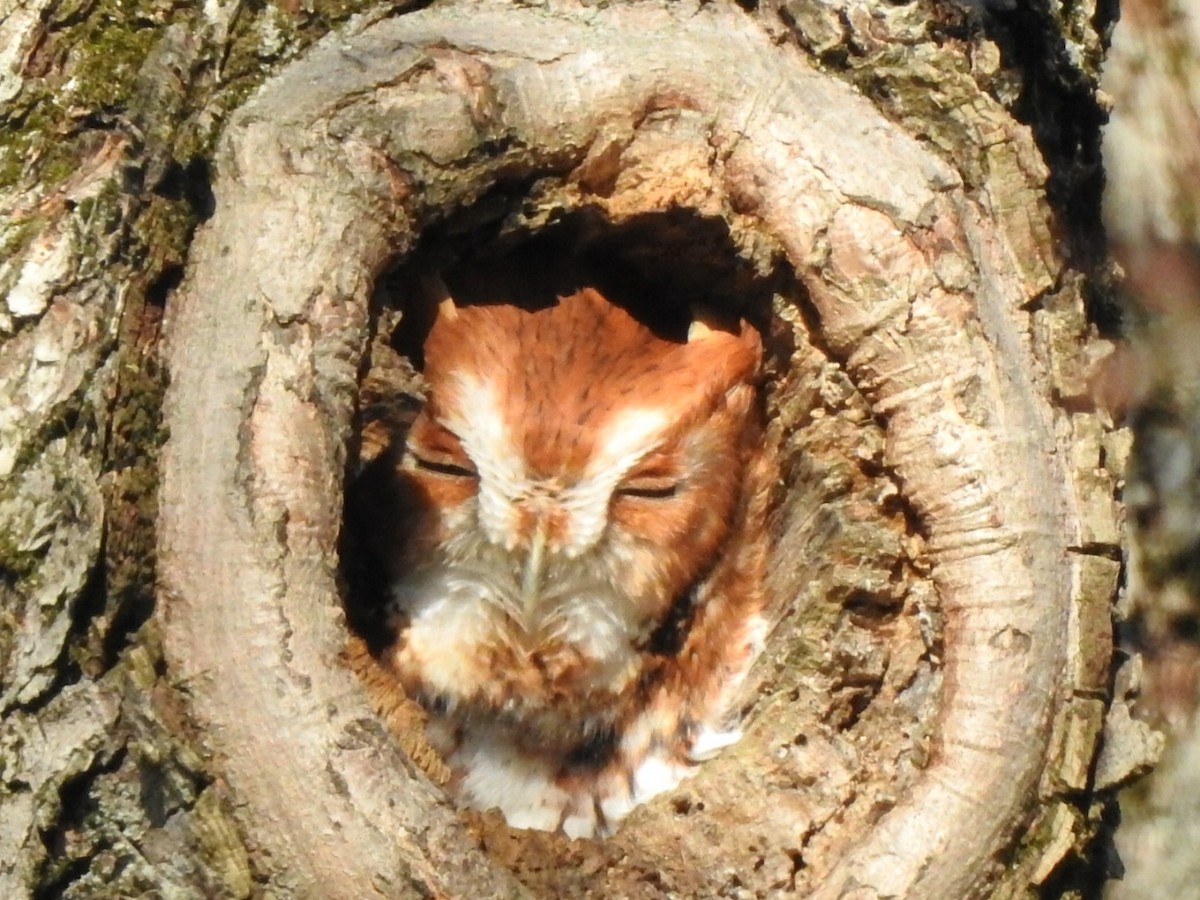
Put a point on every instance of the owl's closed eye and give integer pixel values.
(578, 585)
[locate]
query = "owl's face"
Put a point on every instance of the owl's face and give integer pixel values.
(570, 481)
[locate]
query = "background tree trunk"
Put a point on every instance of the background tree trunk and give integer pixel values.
(913, 189)
(1151, 213)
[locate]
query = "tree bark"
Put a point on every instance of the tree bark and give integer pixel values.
(179, 714)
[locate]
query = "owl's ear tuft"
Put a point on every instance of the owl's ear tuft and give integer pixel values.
(439, 294)
(699, 331)
(707, 323)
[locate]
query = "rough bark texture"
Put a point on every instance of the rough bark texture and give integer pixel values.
(926, 719)
(1151, 213)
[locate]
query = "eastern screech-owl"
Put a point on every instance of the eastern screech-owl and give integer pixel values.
(578, 586)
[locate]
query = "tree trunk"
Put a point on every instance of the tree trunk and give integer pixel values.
(913, 193)
(1151, 214)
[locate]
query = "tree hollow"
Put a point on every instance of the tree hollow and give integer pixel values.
(899, 723)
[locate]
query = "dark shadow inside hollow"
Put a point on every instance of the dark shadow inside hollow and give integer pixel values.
(659, 266)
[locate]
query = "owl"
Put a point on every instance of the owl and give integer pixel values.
(576, 584)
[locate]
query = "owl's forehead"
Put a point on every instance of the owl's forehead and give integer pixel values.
(561, 378)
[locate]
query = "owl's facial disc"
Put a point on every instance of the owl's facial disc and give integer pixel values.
(532, 572)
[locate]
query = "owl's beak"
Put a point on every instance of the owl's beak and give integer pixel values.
(531, 577)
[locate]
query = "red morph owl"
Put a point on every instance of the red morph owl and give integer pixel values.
(578, 591)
